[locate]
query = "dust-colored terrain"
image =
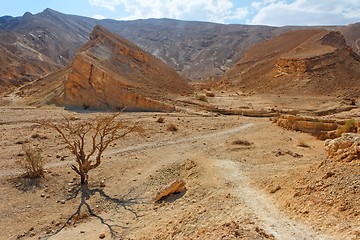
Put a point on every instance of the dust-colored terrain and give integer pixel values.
(246, 178)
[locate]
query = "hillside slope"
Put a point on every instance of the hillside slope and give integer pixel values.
(299, 62)
(109, 73)
(47, 41)
(33, 46)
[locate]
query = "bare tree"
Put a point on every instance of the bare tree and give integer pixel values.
(88, 140)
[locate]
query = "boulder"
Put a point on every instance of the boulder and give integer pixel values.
(345, 148)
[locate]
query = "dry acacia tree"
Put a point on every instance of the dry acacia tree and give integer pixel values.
(88, 140)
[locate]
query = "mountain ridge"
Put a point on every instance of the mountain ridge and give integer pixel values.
(47, 41)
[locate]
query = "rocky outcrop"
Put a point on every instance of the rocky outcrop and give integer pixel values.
(306, 58)
(110, 73)
(321, 128)
(315, 62)
(345, 148)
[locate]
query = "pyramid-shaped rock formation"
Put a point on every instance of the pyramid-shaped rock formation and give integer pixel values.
(111, 73)
(314, 61)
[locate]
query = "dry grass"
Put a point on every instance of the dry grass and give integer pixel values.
(242, 142)
(349, 126)
(303, 144)
(202, 98)
(32, 162)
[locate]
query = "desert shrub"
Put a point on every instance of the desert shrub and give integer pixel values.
(349, 126)
(32, 161)
(201, 98)
(171, 127)
(38, 136)
(160, 120)
(242, 142)
(303, 144)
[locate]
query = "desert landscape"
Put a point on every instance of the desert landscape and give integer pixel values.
(259, 139)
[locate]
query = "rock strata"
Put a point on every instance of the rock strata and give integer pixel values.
(110, 73)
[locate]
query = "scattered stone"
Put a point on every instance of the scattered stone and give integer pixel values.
(280, 152)
(328, 175)
(82, 231)
(62, 201)
(274, 189)
(175, 187)
(102, 183)
(42, 195)
(102, 235)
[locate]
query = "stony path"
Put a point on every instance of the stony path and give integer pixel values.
(262, 208)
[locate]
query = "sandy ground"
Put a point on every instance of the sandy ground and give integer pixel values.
(234, 191)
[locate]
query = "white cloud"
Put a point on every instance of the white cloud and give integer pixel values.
(99, 16)
(305, 12)
(205, 10)
(109, 4)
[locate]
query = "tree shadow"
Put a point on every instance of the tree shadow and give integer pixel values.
(86, 193)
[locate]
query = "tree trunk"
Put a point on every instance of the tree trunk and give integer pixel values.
(84, 178)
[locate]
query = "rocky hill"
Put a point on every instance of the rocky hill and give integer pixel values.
(110, 73)
(313, 61)
(36, 45)
(33, 46)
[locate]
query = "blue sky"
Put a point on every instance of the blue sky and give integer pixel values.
(262, 12)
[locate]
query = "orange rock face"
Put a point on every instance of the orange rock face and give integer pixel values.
(110, 73)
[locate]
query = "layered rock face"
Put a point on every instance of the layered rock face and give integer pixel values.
(311, 57)
(110, 73)
(312, 61)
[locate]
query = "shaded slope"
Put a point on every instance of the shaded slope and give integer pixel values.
(299, 62)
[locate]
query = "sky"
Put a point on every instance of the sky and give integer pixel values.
(252, 12)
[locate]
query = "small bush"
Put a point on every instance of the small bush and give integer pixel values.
(38, 136)
(172, 128)
(32, 162)
(201, 98)
(242, 142)
(349, 126)
(303, 144)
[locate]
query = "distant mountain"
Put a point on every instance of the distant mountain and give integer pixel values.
(33, 46)
(311, 61)
(36, 45)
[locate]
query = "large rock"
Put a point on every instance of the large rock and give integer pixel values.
(111, 73)
(345, 148)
